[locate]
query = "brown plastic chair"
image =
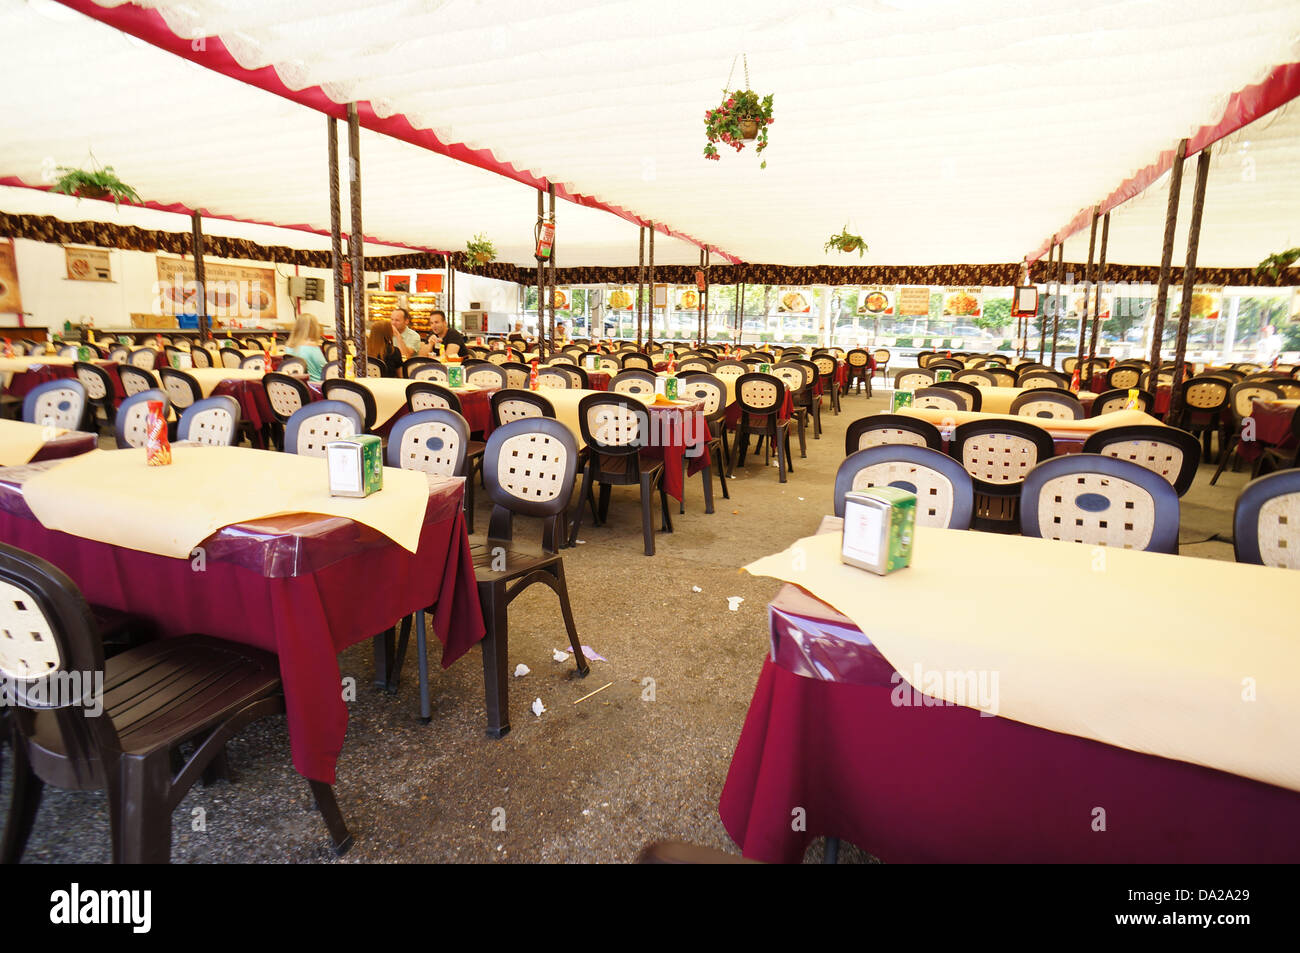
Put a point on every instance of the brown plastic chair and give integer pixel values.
(1241, 400)
(156, 697)
(760, 397)
(615, 428)
(713, 393)
(999, 455)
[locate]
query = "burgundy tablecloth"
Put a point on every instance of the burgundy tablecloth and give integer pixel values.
(305, 587)
(1272, 429)
(683, 434)
(22, 382)
(598, 380)
(71, 444)
(733, 411)
(911, 783)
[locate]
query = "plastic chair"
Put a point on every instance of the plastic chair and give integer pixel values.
(1111, 401)
(99, 391)
(1101, 501)
(354, 394)
(1174, 454)
(1266, 521)
(891, 429)
(633, 383)
(486, 376)
(509, 405)
(132, 422)
(308, 430)
(999, 455)
(182, 389)
(213, 421)
(945, 493)
(761, 397)
(57, 403)
(156, 698)
(1047, 403)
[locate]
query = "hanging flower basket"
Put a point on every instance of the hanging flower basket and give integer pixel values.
(846, 243)
(480, 250)
(94, 184)
(1275, 265)
(741, 117)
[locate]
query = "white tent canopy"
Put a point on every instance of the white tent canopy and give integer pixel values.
(942, 131)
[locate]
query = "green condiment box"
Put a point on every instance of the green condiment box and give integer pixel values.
(356, 465)
(943, 374)
(878, 529)
(455, 375)
(670, 387)
(765, 368)
(902, 398)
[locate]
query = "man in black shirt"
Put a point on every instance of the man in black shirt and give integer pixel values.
(453, 341)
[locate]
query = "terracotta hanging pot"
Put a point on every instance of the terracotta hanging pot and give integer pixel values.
(748, 128)
(92, 192)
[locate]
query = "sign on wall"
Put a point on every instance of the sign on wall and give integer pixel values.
(88, 264)
(913, 300)
(10, 301)
(233, 291)
(877, 300)
(962, 302)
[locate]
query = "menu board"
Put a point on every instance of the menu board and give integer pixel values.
(913, 300)
(88, 264)
(1207, 302)
(876, 300)
(620, 299)
(963, 302)
(793, 300)
(661, 296)
(10, 301)
(233, 291)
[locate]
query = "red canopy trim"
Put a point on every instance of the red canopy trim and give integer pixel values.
(149, 25)
(1245, 106)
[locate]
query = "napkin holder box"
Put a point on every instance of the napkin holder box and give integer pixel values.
(879, 524)
(455, 375)
(356, 465)
(902, 398)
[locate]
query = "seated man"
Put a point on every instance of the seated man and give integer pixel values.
(452, 341)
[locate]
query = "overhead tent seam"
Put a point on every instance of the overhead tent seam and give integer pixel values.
(152, 28)
(1244, 107)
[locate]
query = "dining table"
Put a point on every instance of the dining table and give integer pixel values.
(1155, 730)
(1068, 435)
(248, 545)
(30, 442)
(1273, 422)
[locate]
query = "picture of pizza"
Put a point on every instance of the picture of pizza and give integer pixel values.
(561, 299)
(876, 303)
(690, 301)
(962, 304)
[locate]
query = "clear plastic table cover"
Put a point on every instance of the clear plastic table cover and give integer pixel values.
(277, 546)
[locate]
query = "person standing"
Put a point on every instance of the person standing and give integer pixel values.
(1270, 346)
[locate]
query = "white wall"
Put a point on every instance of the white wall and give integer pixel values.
(50, 298)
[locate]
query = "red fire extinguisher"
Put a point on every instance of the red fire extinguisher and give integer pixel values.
(545, 238)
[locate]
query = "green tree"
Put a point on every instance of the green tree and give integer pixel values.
(995, 314)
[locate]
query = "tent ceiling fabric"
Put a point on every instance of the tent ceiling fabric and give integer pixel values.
(942, 131)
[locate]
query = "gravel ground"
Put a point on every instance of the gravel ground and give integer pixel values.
(643, 760)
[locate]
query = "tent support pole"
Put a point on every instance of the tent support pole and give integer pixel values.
(541, 280)
(650, 281)
(1166, 257)
(355, 236)
(1189, 279)
(704, 335)
(640, 287)
(200, 273)
(1101, 281)
(550, 278)
(336, 239)
(1088, 308)
(1056, 303)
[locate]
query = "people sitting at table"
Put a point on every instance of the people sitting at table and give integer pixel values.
(405, 338)
(379, 347)
(452, 341)
(304, 342)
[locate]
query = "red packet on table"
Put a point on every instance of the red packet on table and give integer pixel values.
(157, 448)
(9, 348)
(532, 375)
(1074, 381)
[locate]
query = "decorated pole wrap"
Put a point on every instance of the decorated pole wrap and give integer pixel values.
(704, 336)
(541, 276)
(650, 280)
(640, 284)
(1166, 259)
(200, 273)
(550, 262)
(1101, 283)
(336, 240)
(1090, 306)
(354, 237)
(1189, 278)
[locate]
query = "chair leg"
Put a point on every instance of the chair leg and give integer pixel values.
(742, 444)
(146, 823)
(567, 611)
(422, 655)
(720, 462)
(605, 491)
(707, 475)
(1225, 454)
(781, 452)
(383, 651)
(496, 677)
(24, 802)
(666, 525)
(328, 806)
(577, 516)
(647, 528)
(469, 503)
(803, 442)
(681, 504)
(399, 656)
